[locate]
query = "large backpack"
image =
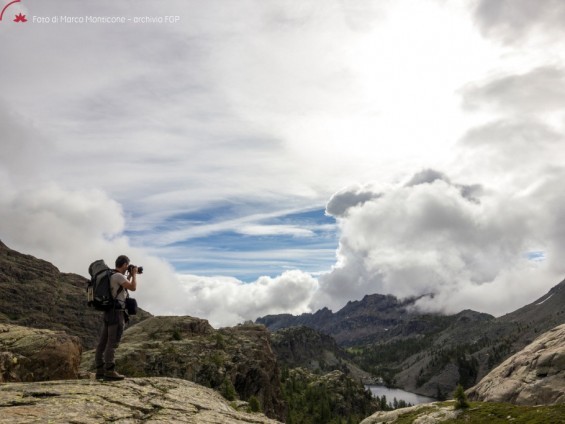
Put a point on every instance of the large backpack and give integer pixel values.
(99, 290)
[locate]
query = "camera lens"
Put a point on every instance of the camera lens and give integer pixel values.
(140, 270)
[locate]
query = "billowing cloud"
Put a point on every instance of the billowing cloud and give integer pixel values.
(491, 245)
(226, 301)
(430, 239)
(347, 198)
(427, 176)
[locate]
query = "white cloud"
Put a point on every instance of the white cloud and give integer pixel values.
(538, 91)
(272, 230)
(72, 229)
(62, 226)
(428, 238)
(346, 198)
(514, 21)
(225, 301)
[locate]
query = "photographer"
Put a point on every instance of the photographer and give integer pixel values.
(114, 319)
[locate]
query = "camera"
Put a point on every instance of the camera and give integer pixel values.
(139, 269)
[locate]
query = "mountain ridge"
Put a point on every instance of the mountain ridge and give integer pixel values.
(429, 354)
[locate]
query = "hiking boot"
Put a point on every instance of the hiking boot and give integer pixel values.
(99, 372)
(113, 376)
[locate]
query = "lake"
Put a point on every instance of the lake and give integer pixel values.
(399, 394)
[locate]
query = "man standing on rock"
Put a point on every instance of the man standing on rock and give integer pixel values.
(114, 320)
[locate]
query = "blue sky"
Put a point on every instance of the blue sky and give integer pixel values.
(300, 240)
(280, 156)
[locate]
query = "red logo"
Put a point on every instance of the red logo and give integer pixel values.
(7, 6)
(20, 18)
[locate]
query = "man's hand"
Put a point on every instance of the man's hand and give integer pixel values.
(133, 270)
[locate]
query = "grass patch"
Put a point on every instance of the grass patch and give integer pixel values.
(483, 412)
(495, 413)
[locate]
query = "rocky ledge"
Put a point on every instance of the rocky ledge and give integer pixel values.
(137, 400)
(533, 376)
(236, 361)
(430, 413)
(31, 354)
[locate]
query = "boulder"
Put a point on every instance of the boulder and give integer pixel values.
(533, 376)
(140, 400)
(31, 354)
(430, 413)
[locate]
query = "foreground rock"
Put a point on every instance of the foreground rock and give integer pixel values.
(429, 413)
(533, 376)
(238, 361)
(147, 400)
(31, 354)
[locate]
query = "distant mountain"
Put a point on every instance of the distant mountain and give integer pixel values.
(33, 293)
(374, 318)
(540, 315)
(429, 353)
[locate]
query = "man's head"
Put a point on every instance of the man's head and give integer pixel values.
(122, 262)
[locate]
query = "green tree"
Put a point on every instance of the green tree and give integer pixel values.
(227, 389)
(460, 398)
(254, 405)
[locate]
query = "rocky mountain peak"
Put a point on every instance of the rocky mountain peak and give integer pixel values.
(469, 315)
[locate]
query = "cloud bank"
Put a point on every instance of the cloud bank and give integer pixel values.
(430, 238)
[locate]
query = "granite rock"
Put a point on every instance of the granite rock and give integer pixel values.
(533, 376)
(139, 400)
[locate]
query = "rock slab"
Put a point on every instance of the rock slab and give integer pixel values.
(430, 413)
(533, 376)
(139, 400)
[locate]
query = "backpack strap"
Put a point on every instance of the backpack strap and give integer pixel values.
(121, 288)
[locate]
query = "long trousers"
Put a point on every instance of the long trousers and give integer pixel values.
(112, 330)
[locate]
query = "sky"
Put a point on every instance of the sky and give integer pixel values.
(261, 157)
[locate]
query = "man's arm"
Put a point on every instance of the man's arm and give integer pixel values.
(131, 283)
